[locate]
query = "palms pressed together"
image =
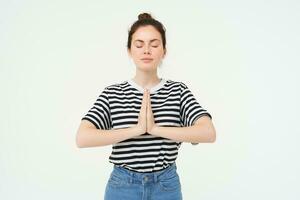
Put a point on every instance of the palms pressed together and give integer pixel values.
(146, 122)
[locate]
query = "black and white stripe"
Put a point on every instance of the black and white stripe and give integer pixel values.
(118, 106)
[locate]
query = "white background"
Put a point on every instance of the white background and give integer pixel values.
(239, 58)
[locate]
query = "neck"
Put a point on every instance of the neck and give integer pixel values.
(146, 79)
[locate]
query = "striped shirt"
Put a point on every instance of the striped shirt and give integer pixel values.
(118, 106)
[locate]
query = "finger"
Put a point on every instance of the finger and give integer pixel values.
(145, 96)
(144, 101)
(149, 100)
(149, 105)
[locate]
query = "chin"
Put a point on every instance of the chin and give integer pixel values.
(146, 66)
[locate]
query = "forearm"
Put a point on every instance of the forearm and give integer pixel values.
(90, 137)
(192, 134)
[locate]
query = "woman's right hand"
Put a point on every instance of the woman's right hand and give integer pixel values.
(142, 119)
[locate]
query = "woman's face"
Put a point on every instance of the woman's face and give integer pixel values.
(146, 48)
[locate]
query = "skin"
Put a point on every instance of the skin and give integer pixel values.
(146, 42)
(146, 76)
(146, 121)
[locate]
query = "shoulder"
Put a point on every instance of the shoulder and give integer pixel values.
(182, 85)
(115, 86)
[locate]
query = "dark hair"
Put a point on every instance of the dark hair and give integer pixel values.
(145, 19)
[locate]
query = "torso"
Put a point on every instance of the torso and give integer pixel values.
(144, 153)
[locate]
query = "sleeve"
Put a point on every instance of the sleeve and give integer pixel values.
(99, 113)
(190, 109)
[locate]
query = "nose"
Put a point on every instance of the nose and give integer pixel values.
(147, 50)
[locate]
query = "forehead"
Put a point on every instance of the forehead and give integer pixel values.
(146, 34)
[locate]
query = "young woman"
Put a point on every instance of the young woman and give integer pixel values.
(145, 118)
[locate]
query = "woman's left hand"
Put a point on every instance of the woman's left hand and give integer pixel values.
(150, 118)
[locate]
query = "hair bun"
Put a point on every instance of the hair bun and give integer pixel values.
(144, 16)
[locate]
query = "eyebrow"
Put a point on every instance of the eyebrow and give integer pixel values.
(143, 41)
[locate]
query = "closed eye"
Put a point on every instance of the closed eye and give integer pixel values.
(141, 46)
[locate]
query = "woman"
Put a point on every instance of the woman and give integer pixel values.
(146, 119)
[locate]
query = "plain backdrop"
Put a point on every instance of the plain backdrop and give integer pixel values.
(239, 58)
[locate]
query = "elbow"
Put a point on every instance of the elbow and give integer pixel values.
(79, 142)
(208, 132)
(213, 136)
(212, 139)
(208, 137)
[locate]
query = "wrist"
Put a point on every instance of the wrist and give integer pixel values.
(154, 130)
(136, 130)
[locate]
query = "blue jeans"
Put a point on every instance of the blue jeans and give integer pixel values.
(124, 184)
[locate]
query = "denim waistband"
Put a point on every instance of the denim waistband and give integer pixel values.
(131, 176)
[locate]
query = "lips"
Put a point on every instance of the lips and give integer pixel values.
(147, 59)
